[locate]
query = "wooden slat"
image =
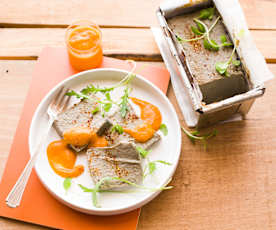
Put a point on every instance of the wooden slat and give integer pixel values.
(21, 43)
(137, 44)
(231, 186)
(260, 14)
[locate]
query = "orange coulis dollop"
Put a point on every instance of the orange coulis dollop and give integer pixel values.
(97, 141)
(62, 159)
(152, 117)
(141, 133)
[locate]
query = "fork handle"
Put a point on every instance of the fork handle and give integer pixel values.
(14, 198)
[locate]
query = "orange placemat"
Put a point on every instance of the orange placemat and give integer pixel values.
(37, 205)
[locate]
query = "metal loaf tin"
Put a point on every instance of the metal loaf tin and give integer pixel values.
(202, 115)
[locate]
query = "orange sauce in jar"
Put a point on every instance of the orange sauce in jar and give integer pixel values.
(62, 159)
(84, 45)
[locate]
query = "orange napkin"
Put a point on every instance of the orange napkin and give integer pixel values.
(37, 205)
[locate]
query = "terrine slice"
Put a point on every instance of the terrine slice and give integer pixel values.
(121, 160)
(214, 87)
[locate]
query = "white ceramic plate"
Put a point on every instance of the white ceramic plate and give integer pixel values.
(168, 149)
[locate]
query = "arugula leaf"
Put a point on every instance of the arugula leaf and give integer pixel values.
(85, 189)
(236, 62)
(124, 103)
(152, 167)
(210, 46)
(94, 111)
(77, 95)
(195, 31)
(97, 189)
(107, 107)
(178, 38)
(163, 128)
(195, 135)
(206, 44)
(224, 42)
(207, 13)
(221, 67)
(142, 151)
(92, 89)
(108, 97)
(117, 128)
(67, 183)
(223, 38)
(200, 27)
(163, 162)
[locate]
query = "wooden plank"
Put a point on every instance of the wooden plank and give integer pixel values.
(231, 186)
(259, 13)
(124, 43)
(137, 44)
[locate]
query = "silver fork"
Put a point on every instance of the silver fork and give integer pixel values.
(55, 107)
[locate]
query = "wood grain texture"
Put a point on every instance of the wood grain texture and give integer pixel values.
(124, 43)
(260, 14)
(231, 186)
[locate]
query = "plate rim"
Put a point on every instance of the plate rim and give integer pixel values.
(107, 211)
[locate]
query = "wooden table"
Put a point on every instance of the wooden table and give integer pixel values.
(231, 186)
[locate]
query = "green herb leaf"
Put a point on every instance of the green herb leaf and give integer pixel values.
(221, 67)
(152, 167)
(206, 44)
(195, 135)
(223, 38)
(142, 151)
(178, 38)
(210, 46)
(85, 189)
(117, 128)
(163, 162)
(207, 13)
(195, 31)
(236, 62)
(124, 103)
(107, 95)
(200, 27)
(77, 95)
(225, 44)
(97, 189)
(107, 107)
(163, 128)
(94, 111)
(214, 45)
(67, 183)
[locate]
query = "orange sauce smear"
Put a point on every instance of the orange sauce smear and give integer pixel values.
(97, 141)
(151, 115)
(84, 46)
(62, 159)
(141, 133)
